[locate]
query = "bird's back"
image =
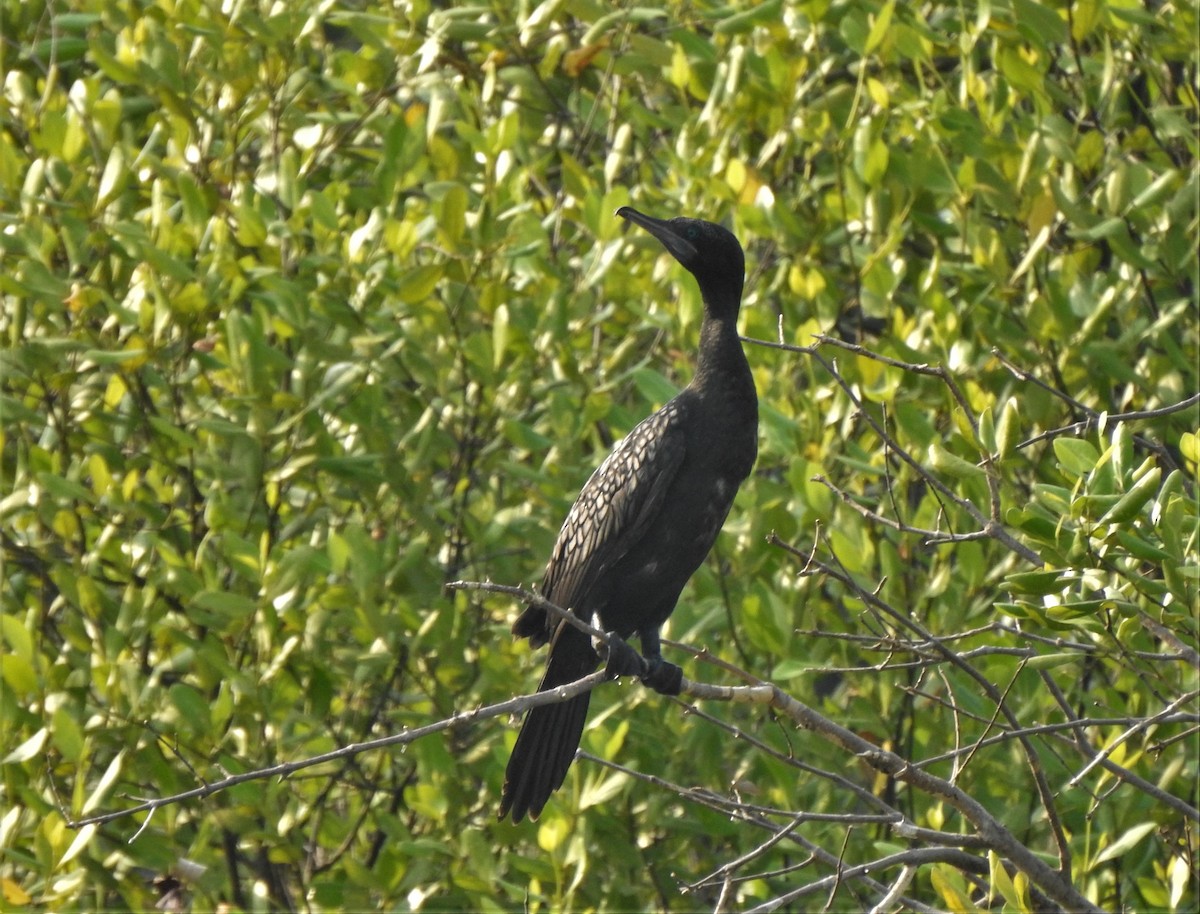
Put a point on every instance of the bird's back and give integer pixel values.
(650, 514)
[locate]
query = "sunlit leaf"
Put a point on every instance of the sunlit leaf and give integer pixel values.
(1126, 842)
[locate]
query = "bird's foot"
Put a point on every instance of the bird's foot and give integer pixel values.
(665, 678)
(654, 672)
(623, 660)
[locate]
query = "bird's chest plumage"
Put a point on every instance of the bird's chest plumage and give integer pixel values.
(649, 515)
(641, 589)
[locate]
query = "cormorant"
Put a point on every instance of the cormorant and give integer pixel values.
(646, 518)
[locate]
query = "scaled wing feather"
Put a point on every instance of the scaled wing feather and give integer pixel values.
(616, 505)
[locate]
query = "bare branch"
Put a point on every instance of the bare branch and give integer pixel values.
(1096, 420)
(533, 598)
(1056, 728)
(1056, 885)
(990, 525)
(907, 620)
(1130, 732)
(512, 706)
(743, 812)
(1080, 743)
(988, 832)
(907, 872)
(907, 859)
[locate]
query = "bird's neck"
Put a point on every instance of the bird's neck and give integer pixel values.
(721, 354)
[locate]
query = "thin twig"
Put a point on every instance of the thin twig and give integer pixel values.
(990, 525)
(1131, 732)
(1081, 745)
(739, 811)
(906, 620)
(533, 598)
(512, 706)
(1094, 418)
(908, 858)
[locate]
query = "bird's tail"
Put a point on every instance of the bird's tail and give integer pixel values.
(550, 735)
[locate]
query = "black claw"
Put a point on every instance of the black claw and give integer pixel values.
(623, 660)
(665, 678)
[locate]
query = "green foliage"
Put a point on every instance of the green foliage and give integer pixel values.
(310, 310)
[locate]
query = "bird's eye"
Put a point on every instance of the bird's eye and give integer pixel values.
(693, 233)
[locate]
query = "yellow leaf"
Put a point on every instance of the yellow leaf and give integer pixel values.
(13, 894)
(578, 60)
(552, 833)
(414, 113)
(735, 175)
(1042, 211)
(681, 71)
(1189, 446)
(878, 92)
(948, 883)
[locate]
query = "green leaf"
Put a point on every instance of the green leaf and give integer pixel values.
(603, 790)
(1003, 884)
(193, 708)
(1126, 842)
(67, 734)
(653, 386)
(102, 357)
(105, 784)
(418, 283)
(1134, 500)
(525, 436)
(790, 669)
(880, 26)
(113, 180)
(1053, 661)
(19, 674)
(1075, 455)
(30, 749)
(65, 490)
(948, 882)
(80, 843)
(1039, 583)
(453, 222)
(16, 637)
(1008, 430)
(987, 431)
(1189, 447)
(231, 605)
(251, 230)
(1039, 23)
(745, 21)
(943, 461)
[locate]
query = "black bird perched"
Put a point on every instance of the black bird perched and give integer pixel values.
(646, 518)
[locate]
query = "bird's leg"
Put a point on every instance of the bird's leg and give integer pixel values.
(665, 678)
(623, 660)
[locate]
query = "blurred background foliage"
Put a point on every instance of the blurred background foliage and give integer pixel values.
(313, 307)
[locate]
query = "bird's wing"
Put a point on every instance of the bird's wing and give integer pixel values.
(617, 504)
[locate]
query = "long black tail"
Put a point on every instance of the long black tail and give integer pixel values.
(550, 735)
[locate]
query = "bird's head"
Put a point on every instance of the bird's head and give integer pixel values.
(710, 252)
